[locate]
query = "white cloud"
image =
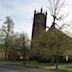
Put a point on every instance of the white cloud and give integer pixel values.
(22, 12)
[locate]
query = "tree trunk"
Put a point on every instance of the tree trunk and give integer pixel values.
(52, 60)
(24, 61)
(24, 57)
(53, 23)
(6, 45)
(57, 60)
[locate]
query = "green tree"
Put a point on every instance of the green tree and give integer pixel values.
(7, 31)
(19, 43)
(24, 44)
(55, 8)
(38, 46)
(53, 43)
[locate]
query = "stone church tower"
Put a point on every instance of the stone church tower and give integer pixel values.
(39, 23)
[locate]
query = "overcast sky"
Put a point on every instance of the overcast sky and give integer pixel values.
(21, 11)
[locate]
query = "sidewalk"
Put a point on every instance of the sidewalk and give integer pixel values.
(61, 67)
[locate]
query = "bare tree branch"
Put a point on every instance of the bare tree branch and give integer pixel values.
(51, 8)
(55, 7)
(59, 8)
(63, 26)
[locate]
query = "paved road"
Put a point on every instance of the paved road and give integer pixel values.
(13, 68)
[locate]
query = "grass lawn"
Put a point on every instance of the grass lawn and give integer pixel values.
(28, 63)
(69, 66)
(65, 71)
(37, 63)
